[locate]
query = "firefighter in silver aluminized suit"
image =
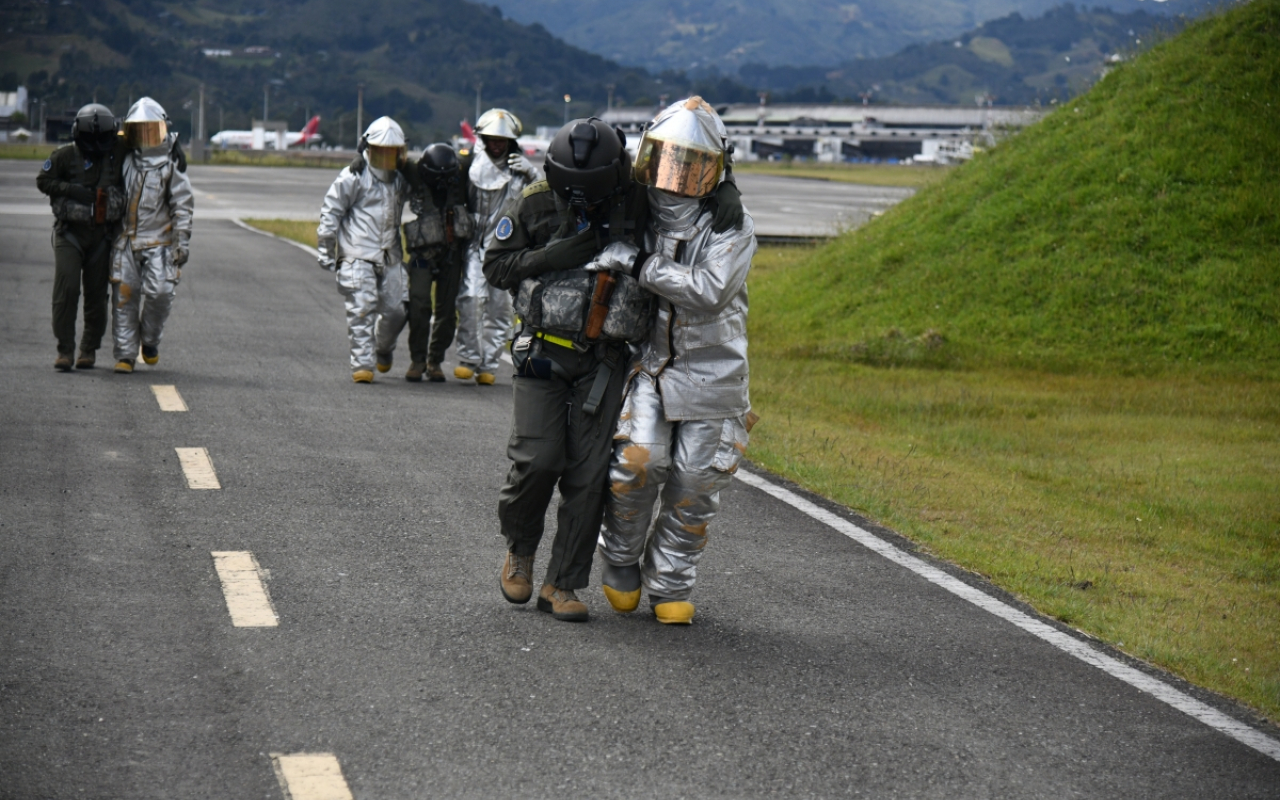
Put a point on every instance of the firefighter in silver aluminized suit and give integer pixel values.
(147, 260)
(499, 172)
(359, 238)
(683, 426)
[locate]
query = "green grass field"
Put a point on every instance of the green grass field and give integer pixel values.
(914, 175)
(1059, 366)
(28, 152)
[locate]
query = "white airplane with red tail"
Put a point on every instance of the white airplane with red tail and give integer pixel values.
(243, 140)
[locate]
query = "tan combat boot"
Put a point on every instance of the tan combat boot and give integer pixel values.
(516, 584)
(434, 373)
(562, 604)
(414, 373)
(62, 363)
(86, 360)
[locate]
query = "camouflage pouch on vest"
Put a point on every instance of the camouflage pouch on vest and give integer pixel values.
(559, 303)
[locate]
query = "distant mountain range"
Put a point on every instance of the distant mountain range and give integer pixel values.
(683, 35)
(1009, 61)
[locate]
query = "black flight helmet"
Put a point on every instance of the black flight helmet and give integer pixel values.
(94, 129)
(587, 162)
(438, 165)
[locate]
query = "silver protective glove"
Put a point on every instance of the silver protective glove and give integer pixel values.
(615, 257)
(520, 165)
(180, 255)
(327, 248)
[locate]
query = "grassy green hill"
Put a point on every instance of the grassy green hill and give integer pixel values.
(1136, 228)
(1059, 366)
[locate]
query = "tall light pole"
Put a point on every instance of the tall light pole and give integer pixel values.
(566, 109)
(359, 112)
(266, 91)
(479, 86)
(609, 86)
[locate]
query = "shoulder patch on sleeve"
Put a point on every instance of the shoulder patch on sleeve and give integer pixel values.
(537, 187)
(48, 164)
(504, 229)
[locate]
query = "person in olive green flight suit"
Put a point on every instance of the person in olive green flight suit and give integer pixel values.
(85, 186)
(567, 391)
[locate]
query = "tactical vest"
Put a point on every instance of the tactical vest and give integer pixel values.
(67, 210)
(559, 302)
(435, 229)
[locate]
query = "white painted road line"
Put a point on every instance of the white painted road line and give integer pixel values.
(1140, 680)
(168, 398)
(244, 589)
(310, 776)
(197, 468)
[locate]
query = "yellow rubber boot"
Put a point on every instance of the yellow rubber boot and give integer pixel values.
(124, 366)
(362, 376)
(485, 378)
(621, 587)
(674, 612)
(463, 373)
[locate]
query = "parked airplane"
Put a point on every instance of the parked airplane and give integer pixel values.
(243, 140)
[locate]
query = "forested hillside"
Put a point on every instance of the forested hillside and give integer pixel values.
(727, 34)
(1013, 60)
(420, 60)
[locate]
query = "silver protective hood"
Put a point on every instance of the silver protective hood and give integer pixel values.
(384, 148)
(499, 122)
(683, 150)
(146, 127)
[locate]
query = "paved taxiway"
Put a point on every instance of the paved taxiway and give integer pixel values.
(816, 668)
(779, 206)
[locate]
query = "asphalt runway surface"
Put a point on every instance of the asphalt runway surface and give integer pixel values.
(815, 667)
(779, 206)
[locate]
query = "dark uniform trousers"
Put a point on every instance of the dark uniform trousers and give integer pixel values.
(432, 323)
(82, 258)
(553, 440)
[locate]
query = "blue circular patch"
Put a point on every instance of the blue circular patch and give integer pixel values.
(48, 164)
(504, 230)
(88, 165)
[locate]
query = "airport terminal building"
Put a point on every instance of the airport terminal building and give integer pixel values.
(834, 133)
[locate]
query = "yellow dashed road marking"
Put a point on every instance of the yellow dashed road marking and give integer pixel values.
(310, 776)
(168, 398)
(246, 593)
(198, 468)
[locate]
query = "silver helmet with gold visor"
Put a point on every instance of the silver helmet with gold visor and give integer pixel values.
(683, 150)
(146, 126)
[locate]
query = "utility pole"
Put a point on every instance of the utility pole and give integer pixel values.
(479, 86)
(266, 90)
(359, 112)
(566, 109)
(610, 87)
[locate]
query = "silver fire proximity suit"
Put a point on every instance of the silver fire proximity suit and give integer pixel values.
(682, 429)
(361, 215)
(484, 311)
(152, 247)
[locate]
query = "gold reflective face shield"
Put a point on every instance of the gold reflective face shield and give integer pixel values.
(145, 135)
(679, 169)
(382, 157)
